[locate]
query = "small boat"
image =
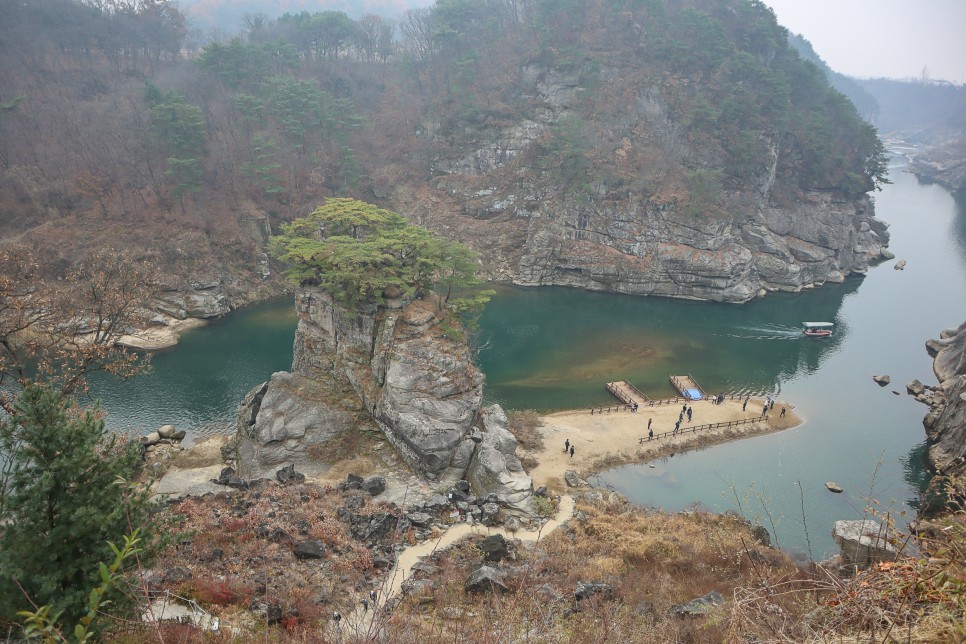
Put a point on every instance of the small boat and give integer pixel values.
(817, 329)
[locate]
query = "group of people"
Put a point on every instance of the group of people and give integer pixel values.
(568, 448)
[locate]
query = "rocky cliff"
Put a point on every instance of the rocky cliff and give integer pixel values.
(644, 223)
(640, 249)
(946, 421)
(944, 164)
(399, 368)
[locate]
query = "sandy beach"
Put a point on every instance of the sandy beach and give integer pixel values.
(607, 439)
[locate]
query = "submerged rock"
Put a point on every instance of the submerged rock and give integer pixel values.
(834, 487)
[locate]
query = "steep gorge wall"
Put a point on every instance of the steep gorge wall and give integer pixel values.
(637, 249)
(639, 240)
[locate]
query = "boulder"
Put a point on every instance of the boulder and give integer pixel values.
(834, 487)
(882, 380)
(761, 535)
(863, 542)
(151, 439)
(287, 475)
(377, 527)
(420, 519)
(309, 550)
(490, 513)
(167, 431)
(486, 579)
(572, 479)
(226, 474)
(285, 419)
(494, 548)
(374, 485)
(699, 605)
(900, 265)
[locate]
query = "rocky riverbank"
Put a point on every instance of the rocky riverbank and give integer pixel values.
(945, 423)
(943, 164)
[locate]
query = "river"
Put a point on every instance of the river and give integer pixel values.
(553, 348)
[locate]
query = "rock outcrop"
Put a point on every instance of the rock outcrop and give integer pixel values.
(945, 422)
(397, 368)
(642, 249)
(863, 542)
(944, 164)
(199, 299)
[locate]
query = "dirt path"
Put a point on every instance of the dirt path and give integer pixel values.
(362, 624)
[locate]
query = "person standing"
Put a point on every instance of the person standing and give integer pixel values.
(764, 410)
(649, 422)
(571, 451)
(689, 414)
(744, 405)
(650, 433)
(567, 445)
(782, 415)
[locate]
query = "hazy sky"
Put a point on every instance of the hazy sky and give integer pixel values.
(882, 38)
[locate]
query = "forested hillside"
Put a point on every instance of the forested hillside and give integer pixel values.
(113, 129)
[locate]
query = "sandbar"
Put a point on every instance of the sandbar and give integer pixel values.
(608, 439)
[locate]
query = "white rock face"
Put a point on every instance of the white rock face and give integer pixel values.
(863, 542)
(495, 468)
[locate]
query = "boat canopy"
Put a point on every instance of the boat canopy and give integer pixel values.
(818, 325)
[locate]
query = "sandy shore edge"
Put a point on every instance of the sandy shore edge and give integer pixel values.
(609, 439)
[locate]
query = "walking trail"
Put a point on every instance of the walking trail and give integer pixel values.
(361, 625)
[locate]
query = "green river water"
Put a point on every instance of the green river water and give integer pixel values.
(553, 348)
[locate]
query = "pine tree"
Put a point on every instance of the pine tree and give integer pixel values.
(64, 495)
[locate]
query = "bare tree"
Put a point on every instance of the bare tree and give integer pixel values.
(61, 330)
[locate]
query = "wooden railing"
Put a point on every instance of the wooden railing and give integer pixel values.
(697, 428)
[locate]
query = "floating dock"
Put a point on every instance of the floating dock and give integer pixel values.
(627, 393)
(688, 387)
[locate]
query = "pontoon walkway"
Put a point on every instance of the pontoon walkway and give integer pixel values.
(627, 393)
(687, 387)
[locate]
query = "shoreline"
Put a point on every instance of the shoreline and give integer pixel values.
(157, 338)
(603, 441)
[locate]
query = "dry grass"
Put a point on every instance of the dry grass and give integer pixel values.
(525, 426)
(652, 561)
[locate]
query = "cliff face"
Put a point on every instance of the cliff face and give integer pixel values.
(637, 249)
(946, 421)
(394, 368)
(655, 234)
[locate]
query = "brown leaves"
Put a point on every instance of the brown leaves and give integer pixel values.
(61, 330)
